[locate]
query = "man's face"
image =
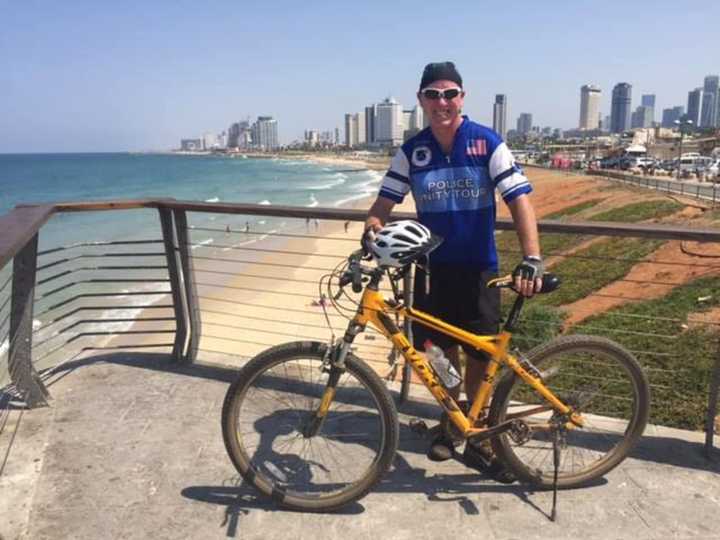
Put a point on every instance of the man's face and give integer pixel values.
(443, 112)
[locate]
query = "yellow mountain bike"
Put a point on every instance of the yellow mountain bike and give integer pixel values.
(312, 426)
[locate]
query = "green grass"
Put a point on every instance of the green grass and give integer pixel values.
(596, 266)
(677, 360)
(572, 210)
(640, 211)
(538, 324)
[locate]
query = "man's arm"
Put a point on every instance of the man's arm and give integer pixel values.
(379, 213)
(523, 216)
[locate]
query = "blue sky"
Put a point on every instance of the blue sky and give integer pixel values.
(101, 76)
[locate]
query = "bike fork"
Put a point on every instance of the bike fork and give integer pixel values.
(338, 353)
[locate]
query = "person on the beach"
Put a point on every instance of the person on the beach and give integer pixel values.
(453, 169)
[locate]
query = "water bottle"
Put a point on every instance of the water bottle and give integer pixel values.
(442, 366)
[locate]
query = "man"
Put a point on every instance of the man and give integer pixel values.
(453, 169)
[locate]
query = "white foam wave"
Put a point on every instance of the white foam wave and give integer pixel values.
(329, 185)
(344, 202)
(213, 199)
(205, 242)
(313, 202)
(254, 240)
(265, 202)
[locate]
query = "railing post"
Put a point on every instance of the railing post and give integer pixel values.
(191, 295)
(712, 407)
(22, 372)
(179, 304)
(408, 298)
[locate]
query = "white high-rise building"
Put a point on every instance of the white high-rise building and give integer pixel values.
(500, 115)
(590, 96)
(350, 130)
(355, 131)
(416, 119)
(360, 126)
(389, 123)
(265, 133)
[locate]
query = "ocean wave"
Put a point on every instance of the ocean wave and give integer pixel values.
(265, 202)
(205, 242)
(251, 240)
(313, 202)
(213, 199)
(343, 202)
(328, 185)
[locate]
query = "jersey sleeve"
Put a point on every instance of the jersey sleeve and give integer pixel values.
(396, 182)
(508, 178)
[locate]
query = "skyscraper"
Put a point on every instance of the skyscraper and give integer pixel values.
(500, 114)
(590, 96)
(670, 115)
(648, 100)
(265, 133)
(620, 113)
(370, 124)
(524, 123)
(355, 129)
(709, 113)
(642, 117)
(388, 122)
(694, 104)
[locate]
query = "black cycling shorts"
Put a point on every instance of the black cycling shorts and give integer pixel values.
(459, 296)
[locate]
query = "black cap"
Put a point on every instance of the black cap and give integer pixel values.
(440, 71)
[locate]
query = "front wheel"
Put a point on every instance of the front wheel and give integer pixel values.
(273, 437)
(597, 378)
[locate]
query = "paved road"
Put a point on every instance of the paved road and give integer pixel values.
(131, 448)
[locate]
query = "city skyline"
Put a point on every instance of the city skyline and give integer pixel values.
(73, 81)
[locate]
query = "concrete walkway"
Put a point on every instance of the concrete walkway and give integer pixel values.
(131, 447)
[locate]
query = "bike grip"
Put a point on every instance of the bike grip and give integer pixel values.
(356, 279)
(550, 282)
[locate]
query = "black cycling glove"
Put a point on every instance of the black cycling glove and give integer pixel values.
(366, 241)
(530, 268)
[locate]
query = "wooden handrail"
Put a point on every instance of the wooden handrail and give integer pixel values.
(18, 227)
(24, 221)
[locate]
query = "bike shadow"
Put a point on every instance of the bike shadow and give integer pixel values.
(240, 498)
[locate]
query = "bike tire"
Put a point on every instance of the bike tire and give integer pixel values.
(615, 413)
(275, 393)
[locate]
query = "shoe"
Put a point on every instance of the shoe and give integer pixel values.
(482, 459)
(441, 449)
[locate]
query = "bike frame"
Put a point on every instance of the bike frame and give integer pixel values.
(374, 309)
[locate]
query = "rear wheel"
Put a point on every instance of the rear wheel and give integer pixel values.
(266, 422)
(597, 378)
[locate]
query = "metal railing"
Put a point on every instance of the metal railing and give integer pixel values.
(704, 191)
(200, 290)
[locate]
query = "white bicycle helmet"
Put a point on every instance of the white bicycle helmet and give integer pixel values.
(401, 242)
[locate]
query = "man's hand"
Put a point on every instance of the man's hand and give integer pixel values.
(367, 239)
(528, 275)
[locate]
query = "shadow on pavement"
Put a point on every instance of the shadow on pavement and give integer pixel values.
(657, 449)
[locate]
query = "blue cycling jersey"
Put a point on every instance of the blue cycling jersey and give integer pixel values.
(455, 193)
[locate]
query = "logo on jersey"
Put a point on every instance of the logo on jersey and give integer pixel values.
(476, 147)
(421, 156)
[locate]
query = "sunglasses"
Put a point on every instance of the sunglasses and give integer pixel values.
(435, 93)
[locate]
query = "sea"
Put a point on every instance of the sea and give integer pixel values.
(40, 178)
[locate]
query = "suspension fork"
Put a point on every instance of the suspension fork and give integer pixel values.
(338, 354)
